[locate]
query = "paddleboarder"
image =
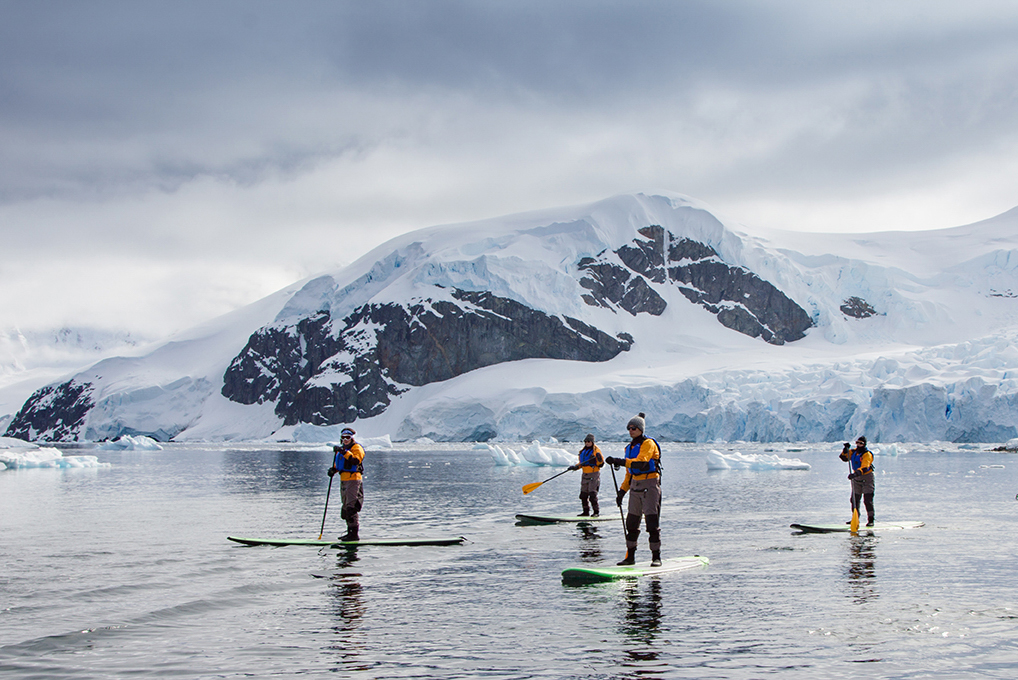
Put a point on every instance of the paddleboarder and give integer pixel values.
(643, 481)
(860, 462)
(591, 462)
(348, 461)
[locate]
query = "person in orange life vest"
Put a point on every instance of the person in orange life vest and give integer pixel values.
(860, 461)
(643, 481)
(348, 461)
(591, 462)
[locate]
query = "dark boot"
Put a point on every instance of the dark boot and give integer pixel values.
(629, 559)
(593, 504)
(655, 558)
(352, 529)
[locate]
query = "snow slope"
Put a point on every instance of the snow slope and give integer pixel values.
(935, 360)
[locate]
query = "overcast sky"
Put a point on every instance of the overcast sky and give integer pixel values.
(164, 162)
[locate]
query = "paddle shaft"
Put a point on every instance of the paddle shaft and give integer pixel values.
(853, 526)
(327, 493)
(527, 488)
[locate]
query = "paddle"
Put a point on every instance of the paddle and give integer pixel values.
(527, 488)
(853, 526)
(326, 509)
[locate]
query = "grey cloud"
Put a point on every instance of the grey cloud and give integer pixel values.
(107, 97)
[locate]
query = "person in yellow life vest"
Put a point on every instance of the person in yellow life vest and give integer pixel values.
(860, 462)
(643, 482)
(591, 462)
(348, 461)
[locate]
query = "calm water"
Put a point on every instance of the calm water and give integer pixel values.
(126, 571)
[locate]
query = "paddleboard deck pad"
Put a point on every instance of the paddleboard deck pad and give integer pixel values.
(345, 544)
(595, 574)
(845, 528)
(564, 519)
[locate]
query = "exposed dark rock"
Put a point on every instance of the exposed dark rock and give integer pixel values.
(858, 308)
(647, 258)
(612, 285)
(741, 300)
(53, 413)
(320, 376)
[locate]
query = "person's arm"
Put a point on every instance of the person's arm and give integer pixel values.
(356, 452)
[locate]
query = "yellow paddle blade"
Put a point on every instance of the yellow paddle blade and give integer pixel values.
(854, 527)
(527, 488)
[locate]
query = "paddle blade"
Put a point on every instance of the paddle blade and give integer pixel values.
(854, 527)
(527, 488)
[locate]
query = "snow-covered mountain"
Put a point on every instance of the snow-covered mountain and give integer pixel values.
(30, 358)
(566, 321)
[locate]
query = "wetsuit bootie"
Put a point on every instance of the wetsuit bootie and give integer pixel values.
(629, 559)
(585, 513)
(655, 558)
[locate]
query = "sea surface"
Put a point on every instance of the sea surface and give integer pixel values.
(125, 571)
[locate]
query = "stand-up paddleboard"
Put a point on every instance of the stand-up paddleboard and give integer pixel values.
(563, 519)
(333, 542)
(844, 528)
(595, 574)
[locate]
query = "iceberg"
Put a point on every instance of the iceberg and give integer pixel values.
(503, 455)
(544, 455)
(889, 450)
(752, 461)
(16, 453)
(130, 443)
(383, 443)
(535, 454)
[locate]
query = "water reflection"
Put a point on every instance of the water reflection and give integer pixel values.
(590, 543)
(861, 570)
(641, 621)
(349, 610)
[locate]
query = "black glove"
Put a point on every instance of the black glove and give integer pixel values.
(853, 475)
(610, 460)
(574, 467)
(332, 471)
(618, 498)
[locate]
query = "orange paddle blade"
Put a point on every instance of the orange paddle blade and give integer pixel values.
(527, 488)
(854, 527)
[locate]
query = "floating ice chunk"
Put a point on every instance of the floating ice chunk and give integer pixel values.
(503, 455)
(383, 443)
(752, 461)
(128, 442)
(1011, 445)
(543, 455)
(888, 450)
(15, 454)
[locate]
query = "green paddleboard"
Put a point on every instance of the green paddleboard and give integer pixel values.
(596, 574)
(333, 542)
(564, 519)
(845, 528)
